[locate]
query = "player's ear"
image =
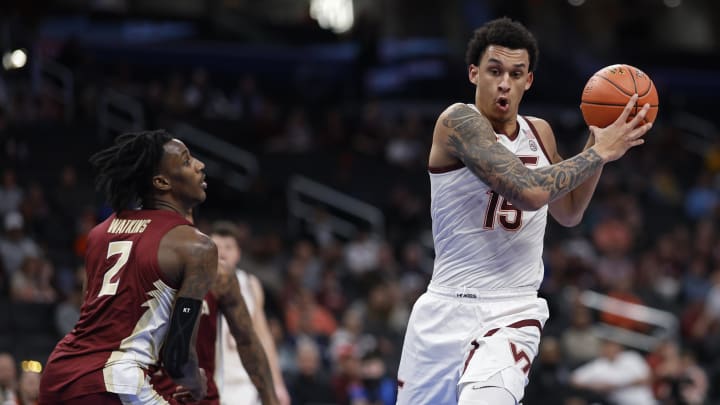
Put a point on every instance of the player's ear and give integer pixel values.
(161, 182)
(531, 76)
(473, 71)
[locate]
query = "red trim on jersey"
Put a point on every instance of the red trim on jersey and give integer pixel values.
(401, 383)
(446, 169)
(475, 345)
(518, 325)
(529, 160)
(514, 136)
(539, 139)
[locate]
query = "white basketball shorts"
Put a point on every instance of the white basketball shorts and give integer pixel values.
(461, 336)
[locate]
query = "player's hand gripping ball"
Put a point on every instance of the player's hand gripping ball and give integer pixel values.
(608, 91)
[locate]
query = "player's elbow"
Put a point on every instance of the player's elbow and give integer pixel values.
(569, 221)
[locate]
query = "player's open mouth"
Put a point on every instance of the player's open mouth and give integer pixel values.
(503, 103)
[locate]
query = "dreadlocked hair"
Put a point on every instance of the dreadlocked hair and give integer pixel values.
(125, 170)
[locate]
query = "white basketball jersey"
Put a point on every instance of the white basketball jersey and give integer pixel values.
(233, 382)
(481, 240)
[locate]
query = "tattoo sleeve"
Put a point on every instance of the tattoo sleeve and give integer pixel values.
(249, 347)
(472, 140)
(200, 261)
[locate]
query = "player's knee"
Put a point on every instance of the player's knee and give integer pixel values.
(496, 390)
(478, 394)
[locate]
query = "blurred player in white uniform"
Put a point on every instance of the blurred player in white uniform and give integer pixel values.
(233, 382)
(494, 175)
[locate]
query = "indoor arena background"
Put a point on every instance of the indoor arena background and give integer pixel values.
(314, 118)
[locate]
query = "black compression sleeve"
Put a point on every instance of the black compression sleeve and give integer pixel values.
(177, 343)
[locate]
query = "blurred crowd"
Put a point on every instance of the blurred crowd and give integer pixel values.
(338, 307)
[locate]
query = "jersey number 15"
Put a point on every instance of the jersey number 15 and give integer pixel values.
(498, 207)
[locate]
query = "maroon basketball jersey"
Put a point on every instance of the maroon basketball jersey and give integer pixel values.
(205, 347)
(125, 313)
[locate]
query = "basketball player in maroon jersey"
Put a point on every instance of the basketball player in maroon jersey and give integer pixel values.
(224, 296)
(147, 270)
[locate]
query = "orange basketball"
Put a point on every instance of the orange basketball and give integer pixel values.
(608, 91)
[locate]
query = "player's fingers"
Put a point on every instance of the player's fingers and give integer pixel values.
(640, 131)
(637, 142)
(628, 108)
(640, 116)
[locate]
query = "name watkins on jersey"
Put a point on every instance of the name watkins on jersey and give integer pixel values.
(128, 225)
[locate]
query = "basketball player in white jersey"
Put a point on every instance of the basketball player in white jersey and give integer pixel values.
(494, 175)
(233, 382)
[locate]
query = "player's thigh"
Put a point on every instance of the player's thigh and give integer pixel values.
(432, 352)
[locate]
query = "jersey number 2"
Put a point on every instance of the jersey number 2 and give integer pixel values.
(122, 248)
(510, 217)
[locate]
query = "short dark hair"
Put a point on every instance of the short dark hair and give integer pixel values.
(124, 171)
(503, 32)
(225, 229)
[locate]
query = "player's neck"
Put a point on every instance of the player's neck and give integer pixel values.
(158, 204)
(509, 128)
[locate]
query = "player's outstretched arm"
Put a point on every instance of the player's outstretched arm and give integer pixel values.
(197, 254)
(233, 307)
(469, 137)
(569, 209)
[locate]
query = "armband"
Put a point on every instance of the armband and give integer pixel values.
(177, 342)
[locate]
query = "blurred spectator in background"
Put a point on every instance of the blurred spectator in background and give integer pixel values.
(378, 387)
(550, 375)
(405, 148)
(71, 196)
(677, 378)
(580, 343)
(303, 316)
(310, 385)
(15, 246)
(28, 391)
(197, 91)
(8, 379)
(347, 376)
(351, 333)
(296, 137)
(35, 209)
(702, 199)
(621, 375)
(33, 283)
(330, 293)
(11, 195)
(67, 312)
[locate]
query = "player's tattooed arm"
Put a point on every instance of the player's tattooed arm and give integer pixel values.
(249, 347)
(200, 269)
(197, 255)
(471, 139)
